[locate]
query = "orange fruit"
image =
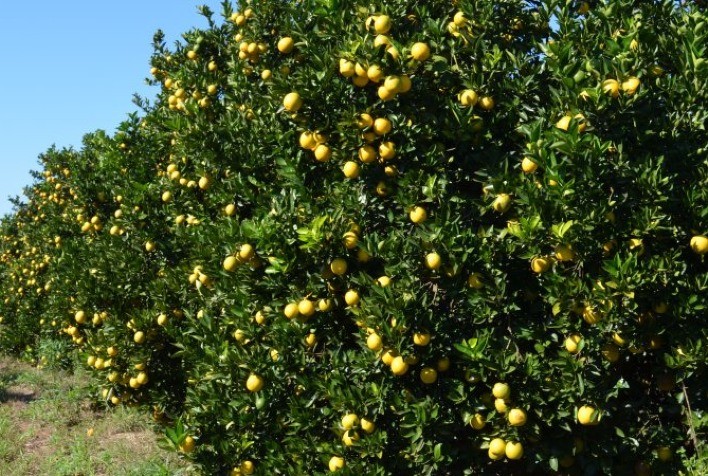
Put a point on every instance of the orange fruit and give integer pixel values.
(497, 449)
(588, 415)
(292, 102)
(420, 51)
(254, 383)
(286, 45)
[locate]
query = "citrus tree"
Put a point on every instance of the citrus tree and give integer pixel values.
(400, 237)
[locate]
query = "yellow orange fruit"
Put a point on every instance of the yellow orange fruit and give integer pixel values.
(572, 343)
(619, 340)
(486, 103)
(322, 153)
(364, 120)
(588, 415)
(591, 315)
(497, 449)
(501, 203)
(468, 98)
(611, 87)
(528, 165)
(433, 261)
(247, 467)
(541, 264)
(325, 305)
(367, 425)
(259, 318)
(381, 40)
(459, 19)
(230, 263)
(306, 308)
(630, 85)
(421, 338)
(347, 68)
(367, 154)
(406, 83)
(392, 83)
(387, 150)
(351, 297)
(307, 140)
(517, 417)
(375, 73)
(475, 281)
(80, 317)
(374, 342)
(388, 356)
(246, 252)
(292, 102)
(478, 421)
(418, 215)
(286, 45)
(699, 244)
(349, 421)
(335, 463)
(291, 310)
(382, 126)
(501, 390)
(350, 240)
(420, 51)
(382, 24)
(338, 266)
(254, 383)
(564, 122)
(514, 450)
(428, 375)
(564, 252)
(187, 445)
(350, 437)
(399, 366)
(351, 170)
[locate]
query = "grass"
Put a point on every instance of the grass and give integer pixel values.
(47, 426)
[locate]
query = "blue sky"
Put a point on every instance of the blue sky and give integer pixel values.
(72, 67)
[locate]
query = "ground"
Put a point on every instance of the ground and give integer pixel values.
(47, 426)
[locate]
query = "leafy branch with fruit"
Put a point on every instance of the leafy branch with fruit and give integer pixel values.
(401, 237)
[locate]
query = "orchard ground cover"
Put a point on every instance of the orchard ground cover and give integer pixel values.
(48, 425)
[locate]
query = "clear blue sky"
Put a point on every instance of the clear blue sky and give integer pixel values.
(71, 67)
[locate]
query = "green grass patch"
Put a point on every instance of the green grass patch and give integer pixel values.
(48, 426)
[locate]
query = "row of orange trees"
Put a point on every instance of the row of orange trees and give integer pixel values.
(385, 238)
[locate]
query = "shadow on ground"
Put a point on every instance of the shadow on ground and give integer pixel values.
(10, 391)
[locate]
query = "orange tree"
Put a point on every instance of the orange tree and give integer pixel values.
(393, 238)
